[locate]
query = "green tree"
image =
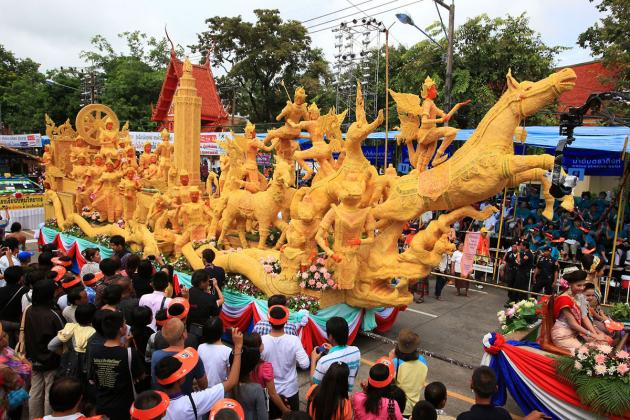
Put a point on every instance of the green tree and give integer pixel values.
(257, 56)
(63, 95)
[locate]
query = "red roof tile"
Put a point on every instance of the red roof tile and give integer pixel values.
(211, 108)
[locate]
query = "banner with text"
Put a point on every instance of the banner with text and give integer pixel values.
(27, 201)
(208, 142)
(470, 250)
(20, 141)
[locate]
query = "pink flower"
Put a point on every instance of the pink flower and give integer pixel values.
(268, 268)
(622, 354)
(320, 261)
(582, 349)
(564, 284)
(623, 368)
(331, 283)
(327, 275)
(319, 285)
(604, 348)
(303, 285)
(600, 369)
(510, 312)
(305, 275)
(312, 269)
(600, 359)
(311, 282)
(316, 275)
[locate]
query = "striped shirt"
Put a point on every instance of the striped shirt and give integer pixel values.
(350, 355)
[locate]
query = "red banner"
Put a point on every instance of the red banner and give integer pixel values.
(470, 249)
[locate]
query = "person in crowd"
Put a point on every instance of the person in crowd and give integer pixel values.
(111, 297)
(510, 268)
(170, 273)
(456, 269)
(524, 262)
(329, 399)
(131, 268)
(482, 254)
(90, 281)
(20, 369)
(160, 320)
(568, 315)
(140, 331)
(203, 304)
(574, 237)
(141, 279)
(41, 323)
(158, 299)
(150, 405)
(248, 392)
(25, 258)
(546, 272)
(484, 385)
(66, 397)
(336, 350)
(214, 272)
(4, 222)
(114, 369)
(171, 373)
(30, 278)
(375, 402)
(128, 301)
(263, 374)
(118, 245)
(109, 267)
(440, 281)
(263, 326)
(213, 353)
(435, 393)
(11, 302)
(411, 367)
(424, 410)
(284, 351)
(18, 234)
(9, 255)
(92, 258)
(174, 332)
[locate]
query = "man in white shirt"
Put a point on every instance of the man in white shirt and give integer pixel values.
(337, 351)
(11, 249)
(171, 372)
(156, 300)
(284, 351)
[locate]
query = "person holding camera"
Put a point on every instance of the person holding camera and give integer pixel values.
(203, 303)
(9, 256)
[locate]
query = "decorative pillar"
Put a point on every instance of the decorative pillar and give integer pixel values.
(187, 129)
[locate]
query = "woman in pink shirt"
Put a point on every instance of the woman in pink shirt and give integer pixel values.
(375, 402)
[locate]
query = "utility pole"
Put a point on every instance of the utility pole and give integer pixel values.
(448, 85)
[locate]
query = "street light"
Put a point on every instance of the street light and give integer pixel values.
(407, 20)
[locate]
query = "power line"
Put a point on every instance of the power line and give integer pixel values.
(376, 14)
(336, 11)
(356, 7)
(351, 14)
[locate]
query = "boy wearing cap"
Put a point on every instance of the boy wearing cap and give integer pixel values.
(174, 332)
(24, 257)
(337, 351)
(114, 369)
(171, 373)
(150, 405)
(284, 351)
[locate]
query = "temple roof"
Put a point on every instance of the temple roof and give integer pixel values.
(211, 107)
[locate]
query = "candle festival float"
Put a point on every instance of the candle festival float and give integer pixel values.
(337, 251)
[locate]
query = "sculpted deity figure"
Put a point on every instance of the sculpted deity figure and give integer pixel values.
(129, 159)
(320, 151)
(283, 138)
(212, 184)
(79, 171)
(160, 219)
(79, 148)
(88, 182)
(108, 138)
(153, 171)
(349, 223)
(128, 188)
(105, 194)
(254, 180)
(145, 157)
(47, 158)
(300, 234)
(165, 152)
(194, 217)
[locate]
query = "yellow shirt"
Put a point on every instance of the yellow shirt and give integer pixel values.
(410, 377)
(81, 335)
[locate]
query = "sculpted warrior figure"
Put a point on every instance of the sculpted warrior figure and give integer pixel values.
(320, 151)
(194, 217)
(129, 159)
(105, 194)
(165, 152)
(129, 187)
(255, 181)
(145, 157)
(283, 138)
(300, 234)
(349, 223)
(108, 138)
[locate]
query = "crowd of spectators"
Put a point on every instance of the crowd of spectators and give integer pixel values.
(123, 340)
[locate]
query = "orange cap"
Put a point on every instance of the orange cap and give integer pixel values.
(153, 412)
(188, 358)
(227, 404)
(60, 272)
(179, 301)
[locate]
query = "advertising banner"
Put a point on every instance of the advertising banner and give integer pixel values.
(27, 201)
(20, 141)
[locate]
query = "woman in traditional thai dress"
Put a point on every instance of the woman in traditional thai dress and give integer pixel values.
(570, 329)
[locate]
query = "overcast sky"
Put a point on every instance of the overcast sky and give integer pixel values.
(54, 32)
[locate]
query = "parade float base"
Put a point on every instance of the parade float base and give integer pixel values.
(244, 311)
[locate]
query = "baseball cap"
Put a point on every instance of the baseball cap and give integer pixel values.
(278, 321)
(24, 255)
(185, 362)
(227, 404)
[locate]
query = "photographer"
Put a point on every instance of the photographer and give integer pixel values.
(203, 303)
(9, 255)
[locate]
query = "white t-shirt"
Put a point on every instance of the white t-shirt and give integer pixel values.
(216, 361)
(27, 299)
(153, 301)
(284, 353)
(4, 262)
(457, 260)
(62, 302)
(180, 407)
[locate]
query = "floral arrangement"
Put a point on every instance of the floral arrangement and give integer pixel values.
(620, 311)
(271, 265)
(89, 214)
(181, 264)
(198, 244)
(102, 240)
(240, 284)
(75, 231)
(316, 276)
(300, 302)
(601, 377)
(520, 316)
(51, 223)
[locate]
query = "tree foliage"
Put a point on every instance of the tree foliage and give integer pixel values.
(257, 56)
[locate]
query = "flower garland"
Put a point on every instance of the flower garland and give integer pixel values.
(301, 302)
(271, 265)
(51, 224)
(520, 316)
(89, 214)
(316, 276)
(601, 377)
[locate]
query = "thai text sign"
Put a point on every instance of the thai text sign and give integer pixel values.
(18, 141)
(208, 142)
(27, 201)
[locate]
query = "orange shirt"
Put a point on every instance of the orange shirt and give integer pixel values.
(483, 246)
(347, 407)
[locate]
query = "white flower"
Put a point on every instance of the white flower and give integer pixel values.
(581, 356)
(589, 373)
(600, 369)
(577, 365)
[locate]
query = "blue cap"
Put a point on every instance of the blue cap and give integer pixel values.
(23, 255)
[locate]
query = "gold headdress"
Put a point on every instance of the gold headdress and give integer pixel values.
(428, 82)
